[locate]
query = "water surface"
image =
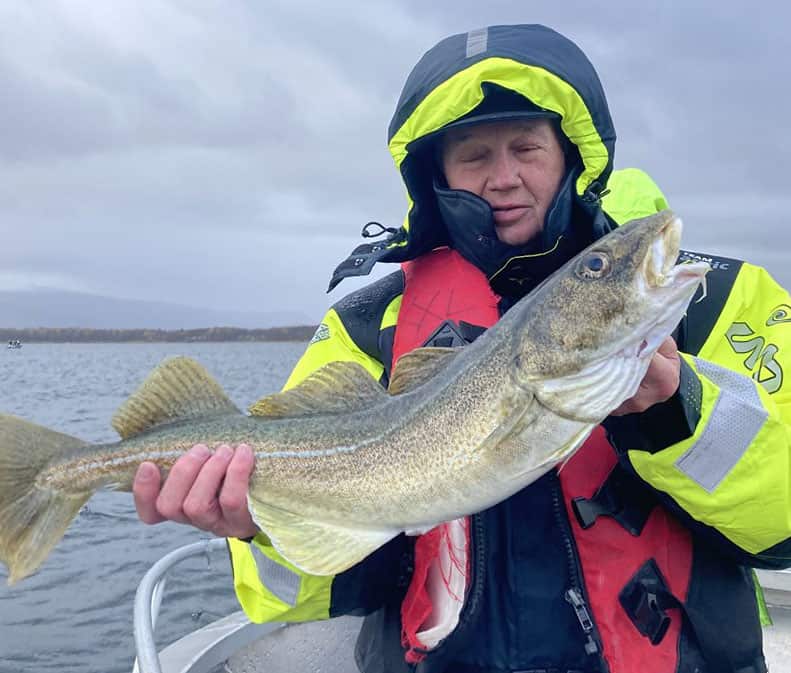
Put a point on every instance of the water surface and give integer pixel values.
(75, 614)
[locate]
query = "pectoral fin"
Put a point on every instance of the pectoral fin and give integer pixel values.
(315, 547)
(527, 471)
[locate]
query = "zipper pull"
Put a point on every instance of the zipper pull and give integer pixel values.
(583, 616)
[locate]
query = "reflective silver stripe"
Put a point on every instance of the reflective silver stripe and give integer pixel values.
(736, 419)
(477, 41)
(281, 581)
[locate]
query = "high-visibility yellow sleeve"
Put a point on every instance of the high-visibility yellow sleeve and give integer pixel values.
(270, 589)
(733, 474)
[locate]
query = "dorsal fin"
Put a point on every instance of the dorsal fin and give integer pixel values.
(418, 366)
(178, 389)
(336, 387)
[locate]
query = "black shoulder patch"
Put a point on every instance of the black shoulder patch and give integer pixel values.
(361, 311)
(363, 258)
(702, 314)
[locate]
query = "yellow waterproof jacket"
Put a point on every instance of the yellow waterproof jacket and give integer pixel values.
(723, 467)
(727, 475)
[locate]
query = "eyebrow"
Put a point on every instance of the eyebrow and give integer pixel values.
(460, 135)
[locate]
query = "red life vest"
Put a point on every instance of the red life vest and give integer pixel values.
(441, 286)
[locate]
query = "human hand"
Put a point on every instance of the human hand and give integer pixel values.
(204, 489)
(659, 383)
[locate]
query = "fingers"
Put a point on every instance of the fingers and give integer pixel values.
(668, 348)
(660, 382)
(663, 374)
(233, 497)
(145, 489)
(170, 503)
(201, 503)
(204, 489)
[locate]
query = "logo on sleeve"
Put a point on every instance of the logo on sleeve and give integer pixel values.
(721, 263)
(322, 334)
(761, 357)
(779, 315)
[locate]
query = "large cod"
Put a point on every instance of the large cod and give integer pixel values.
(342, 465)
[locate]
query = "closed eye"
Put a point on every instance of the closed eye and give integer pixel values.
(472, 157)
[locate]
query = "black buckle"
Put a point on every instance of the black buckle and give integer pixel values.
(451, 335)
(645, 599)
(621, 497)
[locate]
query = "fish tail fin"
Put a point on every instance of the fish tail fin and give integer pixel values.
(33, 517)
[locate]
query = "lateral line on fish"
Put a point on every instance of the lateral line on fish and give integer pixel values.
(128, 458)
(77, 468)
(80, 468)
(312, 453)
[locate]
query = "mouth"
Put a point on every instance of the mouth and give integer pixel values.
(504, 215)
(672, 285)
(659, 266)
(665, 286)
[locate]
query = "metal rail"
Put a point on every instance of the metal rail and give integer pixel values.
(149, 598)
(201, 650)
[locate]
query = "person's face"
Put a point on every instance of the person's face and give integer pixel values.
(516, 166)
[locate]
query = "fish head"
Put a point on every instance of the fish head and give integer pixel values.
(585, 337)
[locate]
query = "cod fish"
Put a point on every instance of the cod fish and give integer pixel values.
(342, 465)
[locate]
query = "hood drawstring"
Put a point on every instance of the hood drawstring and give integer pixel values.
(366, 233)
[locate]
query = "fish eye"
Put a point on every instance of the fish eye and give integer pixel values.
(593, 265)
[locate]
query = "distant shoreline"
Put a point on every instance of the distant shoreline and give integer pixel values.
(198, 335)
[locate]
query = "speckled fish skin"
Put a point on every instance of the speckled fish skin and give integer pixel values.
(341, 465)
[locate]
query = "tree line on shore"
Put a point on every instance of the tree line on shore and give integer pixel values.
(87, 335)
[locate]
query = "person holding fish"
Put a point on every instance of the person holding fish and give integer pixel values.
(636, 554)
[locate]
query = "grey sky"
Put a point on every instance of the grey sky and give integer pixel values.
(227, 153)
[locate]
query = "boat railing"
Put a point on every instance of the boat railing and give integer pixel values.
(201, 651)
(777, 586)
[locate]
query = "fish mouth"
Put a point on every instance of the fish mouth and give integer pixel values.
(659, 267)
(664, 282)
(661, 256)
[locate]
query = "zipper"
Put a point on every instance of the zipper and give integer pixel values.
(575, 595)
(583, 616)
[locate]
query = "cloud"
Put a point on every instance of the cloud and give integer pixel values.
(230, 152)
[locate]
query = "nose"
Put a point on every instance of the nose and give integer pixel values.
(503, 172)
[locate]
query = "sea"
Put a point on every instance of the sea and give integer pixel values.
(75, 613)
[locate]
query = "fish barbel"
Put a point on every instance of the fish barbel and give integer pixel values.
(342, 465)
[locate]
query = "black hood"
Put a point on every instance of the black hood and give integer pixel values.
(538, 72)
